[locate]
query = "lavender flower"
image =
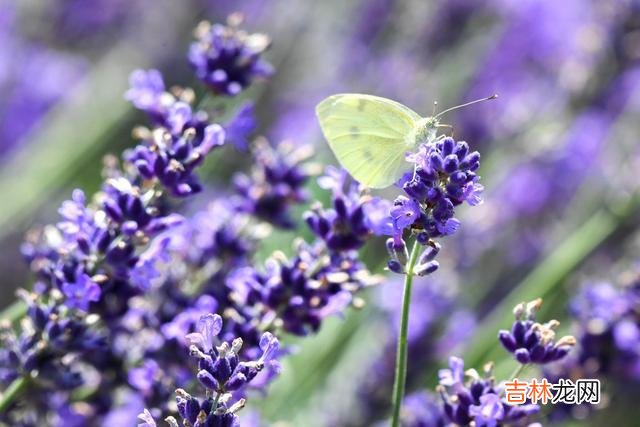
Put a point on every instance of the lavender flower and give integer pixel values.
(532, 342)
(477, 399)
(489, 411)
(405, 212)
(276, 183)
(81, 292)
(173, 109)
(321, 278)
(346, 226)
(297, 294)
(443, 177)
(608, 332)
(220, 371)
(207, 412)
(240, 127)
(147, 93)
(146, 420)
(50, 339)
(171, 155)
(185, 322)
(606, 325)
(99, 258)
(291, 295)
(228, 59)
(203, 250)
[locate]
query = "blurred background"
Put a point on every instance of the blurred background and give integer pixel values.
(560, 155)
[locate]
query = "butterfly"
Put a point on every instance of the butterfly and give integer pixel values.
(370, 135)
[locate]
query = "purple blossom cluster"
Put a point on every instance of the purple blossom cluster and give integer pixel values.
(128, 288)
(183, 137)
(276, 182)
(228, 59)
(321, 278)
(220, 371)
(443, 177)
(214, 251)
(477, 399)
(124, 310)
(532, 342)
(287, 295)
(607, 329)
(471, 398)
(103, 254)
(53, 334)
(110, 296)
(173, 109)
(123, 314)
(347, 225)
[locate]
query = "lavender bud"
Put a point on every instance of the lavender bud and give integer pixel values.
(395, 266)
(426, 268)
(429, 253)
(207, 380)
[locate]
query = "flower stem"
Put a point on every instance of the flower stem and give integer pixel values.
(518, 371)
(13, 391)
(401, 354)
(215, 401)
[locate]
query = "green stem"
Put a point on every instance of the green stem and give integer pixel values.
(13, 391)
(517, 371)
(401, 354)
(215, 401)
(515, 374)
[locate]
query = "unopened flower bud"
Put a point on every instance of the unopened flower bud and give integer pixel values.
(427, 268)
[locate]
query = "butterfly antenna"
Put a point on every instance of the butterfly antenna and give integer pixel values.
(494, 96)
(435, 107)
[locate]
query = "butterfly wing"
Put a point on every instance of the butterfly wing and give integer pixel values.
(369, 135)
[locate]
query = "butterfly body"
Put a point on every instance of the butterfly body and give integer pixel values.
(370, 135)
(426, 130)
